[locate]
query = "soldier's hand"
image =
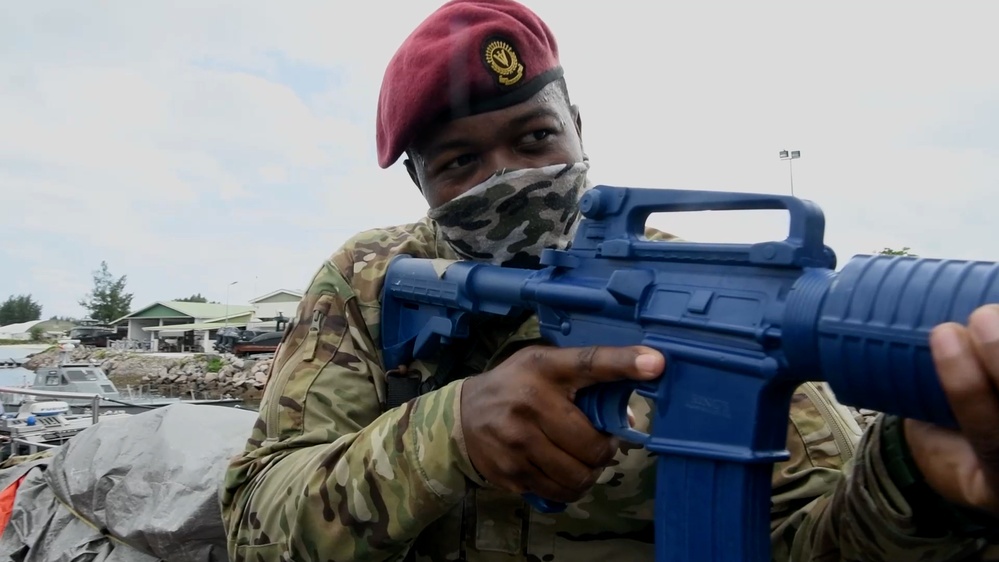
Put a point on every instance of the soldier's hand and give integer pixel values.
(963, 466)
(523, 431)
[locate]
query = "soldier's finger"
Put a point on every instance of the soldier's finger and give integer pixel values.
(530, 478)
(563, 469)
(578, 367)
(951, 466)
(984, 330)
(970, 392)
(570, 430)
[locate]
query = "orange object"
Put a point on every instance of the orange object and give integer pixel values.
(7, 497)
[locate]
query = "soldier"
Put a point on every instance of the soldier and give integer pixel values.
(349, 460)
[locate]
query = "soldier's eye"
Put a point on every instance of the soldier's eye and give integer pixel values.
(460, 161)
(537, 136)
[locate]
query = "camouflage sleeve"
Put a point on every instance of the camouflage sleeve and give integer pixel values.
(325, 474)
(827, 509)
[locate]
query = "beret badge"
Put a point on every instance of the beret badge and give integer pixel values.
(502, 60)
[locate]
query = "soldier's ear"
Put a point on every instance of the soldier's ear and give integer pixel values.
(411, 169)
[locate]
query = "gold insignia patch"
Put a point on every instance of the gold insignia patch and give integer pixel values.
(502, 59)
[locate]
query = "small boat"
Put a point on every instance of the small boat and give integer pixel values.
(37, 426)
(11, 363)
(90, 382)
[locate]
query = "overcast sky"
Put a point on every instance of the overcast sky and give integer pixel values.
(191, 144)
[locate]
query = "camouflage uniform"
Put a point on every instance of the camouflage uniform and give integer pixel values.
(329, 474)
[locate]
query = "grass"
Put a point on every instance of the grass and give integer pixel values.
(214, 365)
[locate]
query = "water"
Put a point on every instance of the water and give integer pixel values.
(20, 351)
(18, 376)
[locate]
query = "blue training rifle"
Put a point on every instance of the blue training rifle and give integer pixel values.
(741, 327)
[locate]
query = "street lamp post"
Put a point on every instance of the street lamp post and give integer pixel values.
(790, 156)
(227, 302)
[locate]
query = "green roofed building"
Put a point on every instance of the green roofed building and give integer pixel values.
(195, 324)
(175, 318)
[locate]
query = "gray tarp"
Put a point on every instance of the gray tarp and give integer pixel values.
(150, 481)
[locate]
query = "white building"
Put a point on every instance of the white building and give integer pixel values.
(282, 303)
(176, 319)
(173, 319)
(263, 312)
(20, 331)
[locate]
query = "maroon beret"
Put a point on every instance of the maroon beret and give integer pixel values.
(468, 57)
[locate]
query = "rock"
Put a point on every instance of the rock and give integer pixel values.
(172, 376)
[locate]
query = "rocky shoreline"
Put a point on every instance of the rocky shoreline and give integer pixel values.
(203, 375)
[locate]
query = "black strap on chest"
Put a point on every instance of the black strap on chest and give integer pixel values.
(401, 387)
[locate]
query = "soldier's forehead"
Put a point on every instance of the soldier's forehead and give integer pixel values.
(547, 103)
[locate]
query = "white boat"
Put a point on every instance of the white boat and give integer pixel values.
(87, 380)
(40, 425)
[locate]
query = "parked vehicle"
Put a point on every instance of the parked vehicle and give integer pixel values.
(98, 335)
(263, 343)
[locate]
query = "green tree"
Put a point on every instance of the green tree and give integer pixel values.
(20, 308)
(36, 332)
(108, 301)
(195, 298)
(892, 252)
(57, 318)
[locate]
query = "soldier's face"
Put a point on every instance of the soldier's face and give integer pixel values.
(452, 158)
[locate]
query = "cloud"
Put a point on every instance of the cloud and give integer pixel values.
(191, 144)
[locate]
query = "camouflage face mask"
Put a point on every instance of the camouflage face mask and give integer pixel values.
(512, 216)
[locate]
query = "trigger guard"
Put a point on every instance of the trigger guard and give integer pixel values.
(606, 406)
